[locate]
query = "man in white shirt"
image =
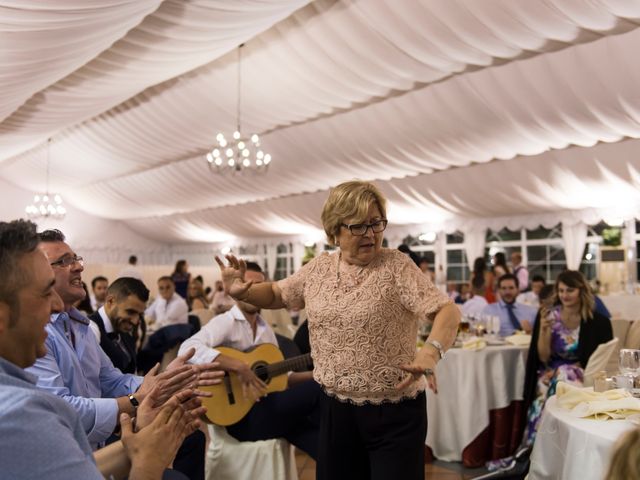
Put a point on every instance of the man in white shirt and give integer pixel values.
(131, 270)
(292, 414)
(169, 308)
(520, 271)
(98, 295)
(475, 305)
(531, 297)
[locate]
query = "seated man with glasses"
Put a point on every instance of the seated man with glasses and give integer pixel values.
(77, 369)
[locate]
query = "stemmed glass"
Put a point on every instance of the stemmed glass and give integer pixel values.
(493, 325)
(629, 363)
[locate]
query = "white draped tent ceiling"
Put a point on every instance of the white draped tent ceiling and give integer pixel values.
(462, 111)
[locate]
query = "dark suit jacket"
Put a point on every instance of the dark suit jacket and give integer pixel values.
(108, 342)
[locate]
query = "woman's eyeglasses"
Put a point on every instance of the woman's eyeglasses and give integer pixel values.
(360, 229)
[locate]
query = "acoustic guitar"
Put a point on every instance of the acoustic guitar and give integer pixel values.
(227, 405)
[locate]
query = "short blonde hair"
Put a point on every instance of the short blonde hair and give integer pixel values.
(625, 462)
(350, 200)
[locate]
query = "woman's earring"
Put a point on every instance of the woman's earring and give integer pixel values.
(335, 240)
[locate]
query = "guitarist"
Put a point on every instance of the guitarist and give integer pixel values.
(292, 414)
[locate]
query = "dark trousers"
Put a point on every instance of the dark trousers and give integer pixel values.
(293, 414)
(372, 442)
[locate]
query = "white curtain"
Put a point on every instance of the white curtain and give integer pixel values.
(474, 240)
(574, 236)
(298, 253)
(272, 258)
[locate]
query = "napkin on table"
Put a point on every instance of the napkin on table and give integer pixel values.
(474, 344)
(519, 339)
(584, 402)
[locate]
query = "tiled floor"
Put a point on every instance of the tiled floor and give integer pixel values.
(433, 471)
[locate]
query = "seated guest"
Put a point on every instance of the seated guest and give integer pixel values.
(197, 298)
(600, 307)
(115, 321)
(476, 304)
(565, 335)
(169, 308)
(41, 435)
(513, 316)
(531, 297)
(99, 292)
(76, 369)
(290, 414)
(453, 293)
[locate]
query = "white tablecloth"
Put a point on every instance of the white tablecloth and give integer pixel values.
(469, 385)
(624, 307)
(569, 448)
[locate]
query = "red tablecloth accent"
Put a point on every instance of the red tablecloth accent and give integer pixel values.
(500, 439)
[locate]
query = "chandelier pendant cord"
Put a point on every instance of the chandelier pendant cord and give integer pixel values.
(240, 153)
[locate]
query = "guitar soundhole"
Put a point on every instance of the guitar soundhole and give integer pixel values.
(261, 371)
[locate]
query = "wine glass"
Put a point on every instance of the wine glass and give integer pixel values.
(493, 324)
(629, 362)
(464, 327)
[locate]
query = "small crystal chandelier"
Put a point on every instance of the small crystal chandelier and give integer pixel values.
(46, 205)
(239, 153)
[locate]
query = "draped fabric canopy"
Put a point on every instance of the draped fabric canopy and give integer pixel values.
(465, 112)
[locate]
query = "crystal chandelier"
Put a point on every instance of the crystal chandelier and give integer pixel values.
(46, 205)
(239, 153)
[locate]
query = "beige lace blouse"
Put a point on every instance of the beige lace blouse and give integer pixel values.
(363, 322)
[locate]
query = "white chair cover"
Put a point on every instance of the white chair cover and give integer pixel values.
(229, 459)
(598, 360)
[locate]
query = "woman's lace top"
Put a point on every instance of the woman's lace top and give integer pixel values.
(363, 322)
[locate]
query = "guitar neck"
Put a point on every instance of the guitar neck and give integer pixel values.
(295, 363)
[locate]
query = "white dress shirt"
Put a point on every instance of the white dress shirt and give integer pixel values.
(529, 298)
(170, 312)
(93, 326)
(229, 329)
(474, 305)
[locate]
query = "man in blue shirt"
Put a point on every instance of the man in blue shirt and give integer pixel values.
(77, 369)
(513, 316)
(41, 436)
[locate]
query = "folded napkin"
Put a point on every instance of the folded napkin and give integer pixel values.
(519, 339)
(599, 359)
(474, 344)
(584, 402)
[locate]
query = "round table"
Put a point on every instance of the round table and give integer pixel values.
(568, 447)
(470, 385)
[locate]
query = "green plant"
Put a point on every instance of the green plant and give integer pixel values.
(612, 237)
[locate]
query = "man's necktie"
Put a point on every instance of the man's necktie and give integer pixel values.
(117, 338)
(512, 316)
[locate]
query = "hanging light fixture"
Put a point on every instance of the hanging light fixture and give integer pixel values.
(46, 205)
(239, 153)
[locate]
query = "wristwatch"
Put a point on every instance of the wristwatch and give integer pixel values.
(134, 401)
(438, 346)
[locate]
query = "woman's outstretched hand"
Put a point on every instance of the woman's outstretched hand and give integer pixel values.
(233, 276)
